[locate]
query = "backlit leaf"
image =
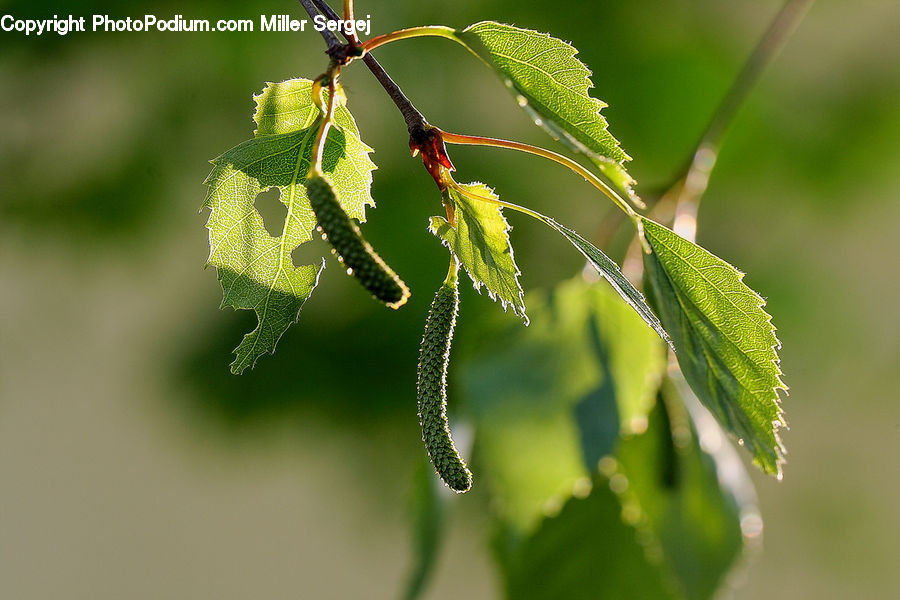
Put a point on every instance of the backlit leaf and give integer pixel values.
(480, 240)
(724, 340)
(583, 553)
(254, 267)
(552, 85)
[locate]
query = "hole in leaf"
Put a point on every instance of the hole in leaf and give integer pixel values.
(272, 210)
(311, 252)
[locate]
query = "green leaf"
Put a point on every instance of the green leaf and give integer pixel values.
(552, 85)
(609, 270)
(691, 499)
(725, 342)
(287, 107)
(549, 400)
(584, 552)
(542, 432)
(480, 241)
(255, 268)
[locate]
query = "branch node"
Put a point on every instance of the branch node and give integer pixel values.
(429, 142)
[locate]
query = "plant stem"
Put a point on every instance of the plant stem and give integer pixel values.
(479, 198)
(681, 198)
(690, 186)
(411, 32)
(348, 16)
(329, 37)
(415, 121)
(327, 116)
(452, 271)
(470, 140)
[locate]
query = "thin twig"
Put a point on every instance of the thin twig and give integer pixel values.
(691, 184)
(415, 121)
(328, 36)
(681, 199)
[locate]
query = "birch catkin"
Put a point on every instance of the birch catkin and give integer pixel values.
(434, 356)
(350, 247)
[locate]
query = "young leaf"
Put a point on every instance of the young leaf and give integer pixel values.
(724, 340)
(480, 240)
(552, 85)
(255, 268)
(287, 106)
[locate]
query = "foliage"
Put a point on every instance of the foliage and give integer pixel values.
(726, 341)
(480, 240)
(552, 85)
(255, 268)
(588, 445)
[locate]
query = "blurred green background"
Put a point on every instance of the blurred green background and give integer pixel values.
(133, 465)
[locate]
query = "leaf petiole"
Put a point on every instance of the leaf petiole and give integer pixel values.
(317, 91)
(479, 198)
(605, 266)
(472, 140)
(522, 209)
(411, 32)
(450, 182)
(349, 16)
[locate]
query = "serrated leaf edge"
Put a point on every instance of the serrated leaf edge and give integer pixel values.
(477, 283)
(541, 119)
(369, 201)
(217, 163)
(760, 302)
(293, 322)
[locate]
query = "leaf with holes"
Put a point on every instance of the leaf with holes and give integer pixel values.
(480, 240)
(255, 268)
(552, 85)
(724, 340)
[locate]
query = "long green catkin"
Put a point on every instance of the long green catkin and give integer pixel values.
(350, 247)
(434, 357)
